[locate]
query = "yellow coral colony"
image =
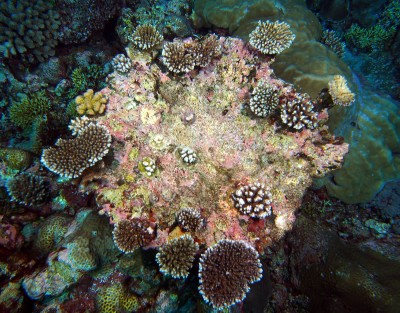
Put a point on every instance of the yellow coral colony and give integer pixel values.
(91, 103)
(340, 92)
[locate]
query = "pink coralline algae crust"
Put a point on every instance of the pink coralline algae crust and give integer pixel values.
(144, 116)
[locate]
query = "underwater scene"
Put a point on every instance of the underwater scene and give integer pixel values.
(199, 156)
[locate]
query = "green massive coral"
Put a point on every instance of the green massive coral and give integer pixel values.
(309, 65)
(28, 29)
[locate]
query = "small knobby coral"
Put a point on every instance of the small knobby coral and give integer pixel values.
(130, 235)
(299, 112)
(253, 200)
(146, 37)
(340, 92)
(91, 103)
(189, 219)
(69, 158)
(176, 257)
(226, 270)
(29, 189)
(121, 63)
(271, 37)
(264, 99)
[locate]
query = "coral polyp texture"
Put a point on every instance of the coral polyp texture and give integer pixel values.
(29, 189)
(184, 56)
(130, 235)
(69, 158)
(226, 272)
(340, 92)
(189, 219)
(271, 37)
(298, 113)
(146, 37)
(188, 155)
(176, 58)
(121, 63)
(253, 200)
(203, 110)
(91, 103)
(176, 257)
(28, 29)
(264, 100)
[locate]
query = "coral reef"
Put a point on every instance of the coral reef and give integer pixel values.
(121, 63)
(29, 189)
(28, 30)
(69, 158)
(176, 257)
(340, 92)
(189, 219)
(130, 235)
(91, 103)
(146, 37)
(233, 148)
(271, 37)
(264, 99)
(253, 200)
(226, 270)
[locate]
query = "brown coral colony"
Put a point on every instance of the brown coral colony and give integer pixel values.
(130, 235)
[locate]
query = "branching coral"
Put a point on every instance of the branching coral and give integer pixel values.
(226, 270)
(130, 235)
(331, 40)
(253, 200)
(34, 106)
(340, 92)
(176, 57)
(176, 257)
(29, 189)
(299, 112)
(28, 29)
(91, 103)
(264, 99)
(189, 219)
(271, 37)
(69, 158)
(182, 57)
(146, 37)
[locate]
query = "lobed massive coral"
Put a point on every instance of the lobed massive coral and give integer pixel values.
(28, 29)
